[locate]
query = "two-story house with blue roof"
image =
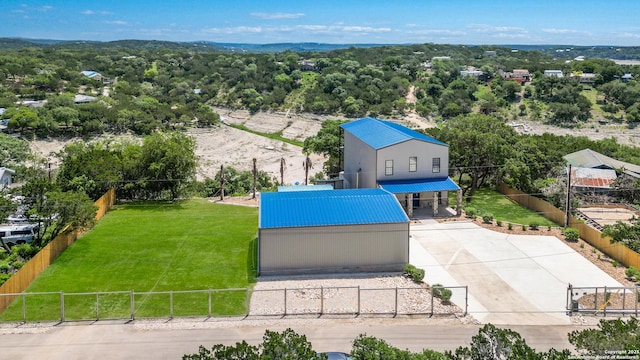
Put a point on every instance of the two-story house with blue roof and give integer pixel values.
(409, 164)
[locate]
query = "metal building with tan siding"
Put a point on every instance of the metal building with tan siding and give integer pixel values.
(331, 231)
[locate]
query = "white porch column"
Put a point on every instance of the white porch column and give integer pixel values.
(459, 203)
(435, 203)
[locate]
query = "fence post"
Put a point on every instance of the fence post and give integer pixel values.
(24, 307)
(396, 304)
(321, 300)
(97, 306)
(358, 313)
(431, 302)
(170, 304)
(61, 306)
(285, 301)
(466, 300)
(132, 304)
(209, 302)
(637, 300)
(604, 297)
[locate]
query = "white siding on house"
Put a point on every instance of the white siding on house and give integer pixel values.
(425, 153)
(359, 156)
(333, 249)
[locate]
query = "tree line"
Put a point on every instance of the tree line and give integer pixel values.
(145, 88)
(611, 337)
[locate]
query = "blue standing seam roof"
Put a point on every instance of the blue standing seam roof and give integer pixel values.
(304, 188)
(379, 133)
(329, 207)
(419, 185)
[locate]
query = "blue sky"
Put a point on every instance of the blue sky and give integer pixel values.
(574, 22)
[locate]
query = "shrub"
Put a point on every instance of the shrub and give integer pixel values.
(524, 227)
(510, 226)
(487, 219)
(471, 212)
(571, 234)
(25, 251)
(549, 228)
(534, 226)
(615, 263)
(441, 293)
(416, 274)
(632, 273)
(499, 222)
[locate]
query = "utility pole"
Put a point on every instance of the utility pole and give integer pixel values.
(568, 206)
(254, 178)
(221, 182)
(307, 166)
(282, 164)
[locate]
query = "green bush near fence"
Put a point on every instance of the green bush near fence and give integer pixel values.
(151, 247)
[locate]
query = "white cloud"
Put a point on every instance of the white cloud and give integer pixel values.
(93, 12)
(560, 31)
(234, 30)
(275, 16)
(484, 28)
(116, 22)
(438, 32)
(629, 35)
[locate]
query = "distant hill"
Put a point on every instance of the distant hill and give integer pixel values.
(597, 52)
(558, 51)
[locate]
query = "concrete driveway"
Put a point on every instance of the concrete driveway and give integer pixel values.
(512, 279)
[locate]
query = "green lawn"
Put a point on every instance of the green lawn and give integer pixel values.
(502, 208)
(152, 247)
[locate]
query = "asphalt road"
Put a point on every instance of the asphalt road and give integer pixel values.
(171, 339)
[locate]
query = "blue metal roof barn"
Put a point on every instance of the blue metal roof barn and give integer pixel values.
(329, 207)
(331, 231)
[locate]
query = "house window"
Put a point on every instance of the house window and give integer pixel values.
(413, 163)
(435, 165)
(388, 167)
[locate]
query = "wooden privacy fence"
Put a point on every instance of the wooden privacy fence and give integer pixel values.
(616, 251)
(23, 278)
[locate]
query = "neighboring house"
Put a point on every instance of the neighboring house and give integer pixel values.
(556, 73)
(519, 75)
(490, 53)
(34, 103)
(83, 99)
(626, 77)
(6, 176)
(331, 231)
(93, 75)
(308, 65)
(472, 72)
(588, 158)
(409, 164)
(590, 179)
(440, 58)
(587, 78)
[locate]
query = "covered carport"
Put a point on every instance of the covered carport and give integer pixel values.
(424, 193)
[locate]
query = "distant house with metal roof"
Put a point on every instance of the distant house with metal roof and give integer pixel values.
(588, 158)
(83, 99)
(93, 75)
(591, 179)
(627, 77)
(556, 73)
(331, 231)
(411, 165)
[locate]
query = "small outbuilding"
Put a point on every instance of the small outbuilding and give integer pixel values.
(331, 231)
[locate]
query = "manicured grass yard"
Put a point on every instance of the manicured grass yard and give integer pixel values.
(152, 247)
(503, 209)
